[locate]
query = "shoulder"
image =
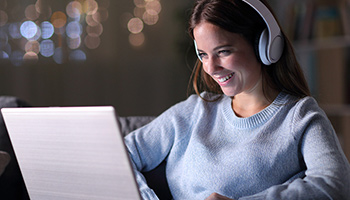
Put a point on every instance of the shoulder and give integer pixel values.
(306, 114)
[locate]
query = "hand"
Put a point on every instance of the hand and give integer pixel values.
(216, 196)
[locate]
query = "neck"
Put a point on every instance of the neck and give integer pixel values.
(248, 104)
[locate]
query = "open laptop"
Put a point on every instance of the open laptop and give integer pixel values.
(71, 153)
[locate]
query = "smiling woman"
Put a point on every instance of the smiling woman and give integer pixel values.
(252, 131)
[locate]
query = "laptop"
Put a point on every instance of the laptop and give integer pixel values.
(71, 153)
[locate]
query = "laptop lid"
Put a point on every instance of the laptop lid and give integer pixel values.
(71, 153)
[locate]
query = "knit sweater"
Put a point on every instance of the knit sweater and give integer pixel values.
(289, 150)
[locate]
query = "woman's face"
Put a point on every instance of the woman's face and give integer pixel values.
(229, 59)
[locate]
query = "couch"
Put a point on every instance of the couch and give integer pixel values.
(12, 186)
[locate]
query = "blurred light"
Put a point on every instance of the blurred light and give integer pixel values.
(74, 29)
(137, 39)
(37, 35)
(58, 56)
(135, 25)
(94, 30)
(90, 20)
(90, 7)
(3, 55)
(92, 42)
(154, 5)
(77, 55)
(139, 3)
(14, 30)
(29, 29)
(74, 43)
(47, 30)
(58, 19)
(16, 58)
(33, 46)
(60, 31)
(3, 39)
(74, 9)
(101, 15)
(7, 49)
(47, 48)
(150, 19)
(30, 57)
(43, 8)
(31, 13)
(3, 18)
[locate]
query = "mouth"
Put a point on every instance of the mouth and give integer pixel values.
(226, 78)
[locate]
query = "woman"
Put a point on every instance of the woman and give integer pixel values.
(252, 131)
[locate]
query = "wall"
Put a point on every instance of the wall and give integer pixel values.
(142, 80)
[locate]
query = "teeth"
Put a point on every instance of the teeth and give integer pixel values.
(221, 80)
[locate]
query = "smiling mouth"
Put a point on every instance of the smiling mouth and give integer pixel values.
(226, 78)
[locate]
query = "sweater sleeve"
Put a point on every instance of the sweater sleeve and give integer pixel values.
(327, 174)
(150, 145)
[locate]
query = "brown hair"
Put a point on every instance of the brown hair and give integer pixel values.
(238, 17)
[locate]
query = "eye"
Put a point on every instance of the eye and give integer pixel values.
(202, 55)
(224, 52)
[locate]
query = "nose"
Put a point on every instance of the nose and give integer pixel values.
(212, 65)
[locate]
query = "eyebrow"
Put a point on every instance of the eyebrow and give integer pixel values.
(219, 47)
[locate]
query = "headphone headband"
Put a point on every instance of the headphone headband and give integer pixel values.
(275, 40)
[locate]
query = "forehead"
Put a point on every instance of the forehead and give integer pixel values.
(207, 33)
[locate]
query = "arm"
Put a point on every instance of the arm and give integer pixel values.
(327, 174)
(150, 146)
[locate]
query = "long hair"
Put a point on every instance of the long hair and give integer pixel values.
(238, 17)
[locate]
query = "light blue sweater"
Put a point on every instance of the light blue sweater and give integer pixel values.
(287, 151)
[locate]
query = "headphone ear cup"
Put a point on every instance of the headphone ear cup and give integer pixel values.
(263, 42)
(256, 47)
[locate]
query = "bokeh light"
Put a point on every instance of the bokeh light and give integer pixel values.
(47, 48)
(16, 58)
(28, 29)
(74, 29)
(92, 42)
(4, 55)
(14, 30)
(136, 39)
(77, 55)
(47, 30)
(90, 7)
(74, 43)
(94, 30)
(135, 25)
(146, 12)
(58, 19)
(30, 57)
(31, 13)
(38, 29)
(74, 9)
(59, 56)
(32, 46)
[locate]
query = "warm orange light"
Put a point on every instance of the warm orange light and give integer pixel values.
(58, 19)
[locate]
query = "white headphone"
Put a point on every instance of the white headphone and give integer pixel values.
(271, 41)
